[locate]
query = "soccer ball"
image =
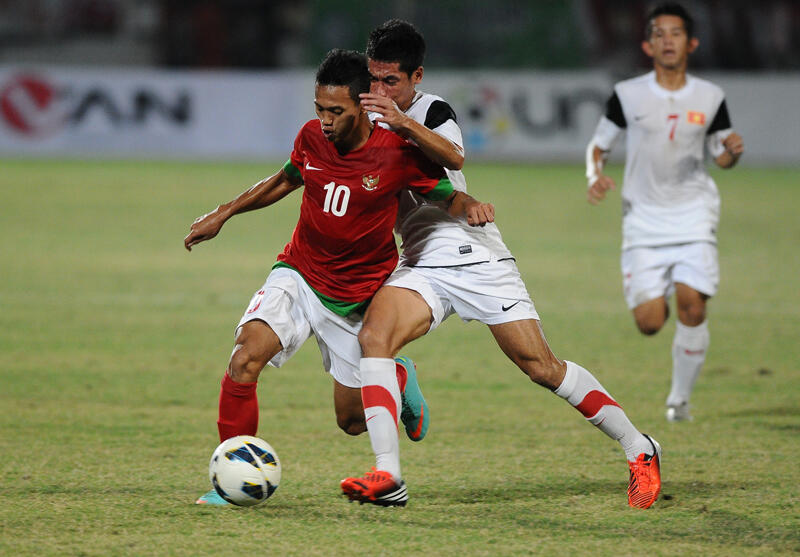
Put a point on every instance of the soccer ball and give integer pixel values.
(245, 470)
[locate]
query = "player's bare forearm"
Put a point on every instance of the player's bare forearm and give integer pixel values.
(734, 147)
(436, 147)
(476, 213)
(264, 193)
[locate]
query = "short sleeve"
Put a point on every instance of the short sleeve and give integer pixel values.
(294, 166)
(425, 177)
(721, 119)
(718, 130)
(441, 118)
(606, 134)
(614, 111)
(292, 171)
(438, 113)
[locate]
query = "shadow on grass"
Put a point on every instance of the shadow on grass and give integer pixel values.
(788, 411)
(673, 493)
(689, 511)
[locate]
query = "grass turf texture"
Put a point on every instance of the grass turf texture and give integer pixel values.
(114, 340)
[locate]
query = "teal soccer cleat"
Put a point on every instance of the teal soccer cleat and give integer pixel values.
(414, 415)
(211, 498)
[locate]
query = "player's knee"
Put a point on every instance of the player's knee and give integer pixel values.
(651, 316)
(373, 341)
(351, 425)
(244, 366)
(650, 324)
(692, 314)
(649, 328)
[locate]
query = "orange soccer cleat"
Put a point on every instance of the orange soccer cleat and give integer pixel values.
(645, 482)
(377, 487)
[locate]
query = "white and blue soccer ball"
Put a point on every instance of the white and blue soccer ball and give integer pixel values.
(245, 470)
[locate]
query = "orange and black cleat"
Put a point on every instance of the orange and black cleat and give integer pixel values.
(645, 481)
(378, 488)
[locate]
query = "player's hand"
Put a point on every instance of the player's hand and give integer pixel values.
(389, 112)
(478, 214)
(734, 145)
(597, 191)
(204, 228)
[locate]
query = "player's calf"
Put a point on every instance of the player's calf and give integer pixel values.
(349, 409)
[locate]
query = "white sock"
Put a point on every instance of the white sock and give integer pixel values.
(381, 396)
(688, 355)
(587, 395)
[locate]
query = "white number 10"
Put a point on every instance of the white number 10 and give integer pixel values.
(336, 199)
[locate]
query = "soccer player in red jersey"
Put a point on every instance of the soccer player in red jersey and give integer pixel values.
(341, 251)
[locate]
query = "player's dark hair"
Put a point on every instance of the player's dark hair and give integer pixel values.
(397, 41)
(669, 8)
(345, 68)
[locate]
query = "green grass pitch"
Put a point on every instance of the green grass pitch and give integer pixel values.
(113, 340)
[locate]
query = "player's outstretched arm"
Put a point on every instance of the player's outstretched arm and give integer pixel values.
(436, 147)
(476, 212)
(598, 183)
(264, 193)
(734, 147)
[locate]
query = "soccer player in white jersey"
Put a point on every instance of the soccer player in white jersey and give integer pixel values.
(670, 204)
(449, 267)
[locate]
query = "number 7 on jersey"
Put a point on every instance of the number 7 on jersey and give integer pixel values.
(674, 119)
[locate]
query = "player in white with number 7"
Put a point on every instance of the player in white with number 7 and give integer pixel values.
(670, 204)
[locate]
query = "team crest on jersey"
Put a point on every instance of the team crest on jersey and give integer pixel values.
(369, 182)
(695, 117)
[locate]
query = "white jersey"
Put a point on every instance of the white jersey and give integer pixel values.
(668, 196)
(431, 237)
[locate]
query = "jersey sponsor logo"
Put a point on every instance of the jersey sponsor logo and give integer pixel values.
(369, 182)
(309, 167)
(695, 117)
(463, 250)
(506, 308)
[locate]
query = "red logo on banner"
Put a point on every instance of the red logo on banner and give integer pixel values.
(28, 105)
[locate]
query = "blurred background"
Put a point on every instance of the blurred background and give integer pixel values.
(736, 35)
(527, 78)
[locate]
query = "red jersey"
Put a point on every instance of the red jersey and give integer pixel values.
(343, 244)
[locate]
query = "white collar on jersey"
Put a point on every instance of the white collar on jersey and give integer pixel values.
(667, 93)
(417, 96)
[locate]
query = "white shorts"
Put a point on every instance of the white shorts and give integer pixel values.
(491, 293)
(288, 305)
(651, 272)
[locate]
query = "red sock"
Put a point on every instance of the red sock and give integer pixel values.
(238, 409)
(402, 376)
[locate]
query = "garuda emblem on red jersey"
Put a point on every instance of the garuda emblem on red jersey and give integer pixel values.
(369, 182)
